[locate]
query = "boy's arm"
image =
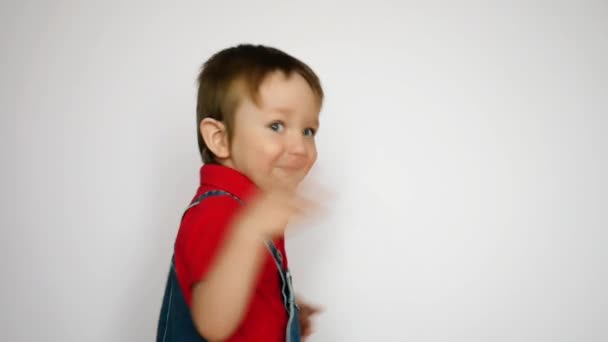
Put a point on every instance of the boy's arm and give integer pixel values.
(219, 300)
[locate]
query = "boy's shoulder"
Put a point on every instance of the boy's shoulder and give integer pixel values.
(210, 205)
(221, 194)
(206, 221)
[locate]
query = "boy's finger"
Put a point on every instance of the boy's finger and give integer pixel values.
(314, 309)
(309, 309)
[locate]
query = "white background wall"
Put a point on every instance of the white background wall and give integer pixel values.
(465, 142)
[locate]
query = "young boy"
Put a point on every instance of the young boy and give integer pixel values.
(257, 115)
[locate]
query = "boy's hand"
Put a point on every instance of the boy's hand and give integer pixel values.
(268, 214)
(307, 311)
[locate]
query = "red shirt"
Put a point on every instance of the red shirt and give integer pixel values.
(201, 234)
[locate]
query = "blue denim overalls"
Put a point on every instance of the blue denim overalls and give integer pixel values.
(175, 323)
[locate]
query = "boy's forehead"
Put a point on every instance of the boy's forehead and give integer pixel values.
(287, 94)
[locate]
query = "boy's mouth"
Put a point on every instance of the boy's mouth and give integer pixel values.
(292, 168)
(293, 165)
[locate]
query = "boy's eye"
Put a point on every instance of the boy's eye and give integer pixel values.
(277, 126)
(309, 132)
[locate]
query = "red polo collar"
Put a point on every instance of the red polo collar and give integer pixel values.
(225, 178)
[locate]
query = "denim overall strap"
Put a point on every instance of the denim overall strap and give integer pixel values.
(175, 322)
(211, 193)
(292, 332)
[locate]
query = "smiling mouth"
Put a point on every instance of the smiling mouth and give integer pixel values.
(292, 168)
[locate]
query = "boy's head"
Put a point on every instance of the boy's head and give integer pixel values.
(257, 112)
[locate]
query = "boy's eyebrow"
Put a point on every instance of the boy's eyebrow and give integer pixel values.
(283, 110)
(288, 111)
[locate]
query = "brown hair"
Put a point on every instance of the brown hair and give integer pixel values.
(238, 71)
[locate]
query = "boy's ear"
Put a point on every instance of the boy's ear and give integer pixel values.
(216, 137)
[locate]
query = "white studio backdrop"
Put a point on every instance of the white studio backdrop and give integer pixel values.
(464, 142)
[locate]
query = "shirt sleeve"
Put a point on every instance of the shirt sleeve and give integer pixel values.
(202, 233)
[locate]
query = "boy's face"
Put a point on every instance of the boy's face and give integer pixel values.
(274, 143)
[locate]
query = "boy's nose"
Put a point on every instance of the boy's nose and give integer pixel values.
(297, 144)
